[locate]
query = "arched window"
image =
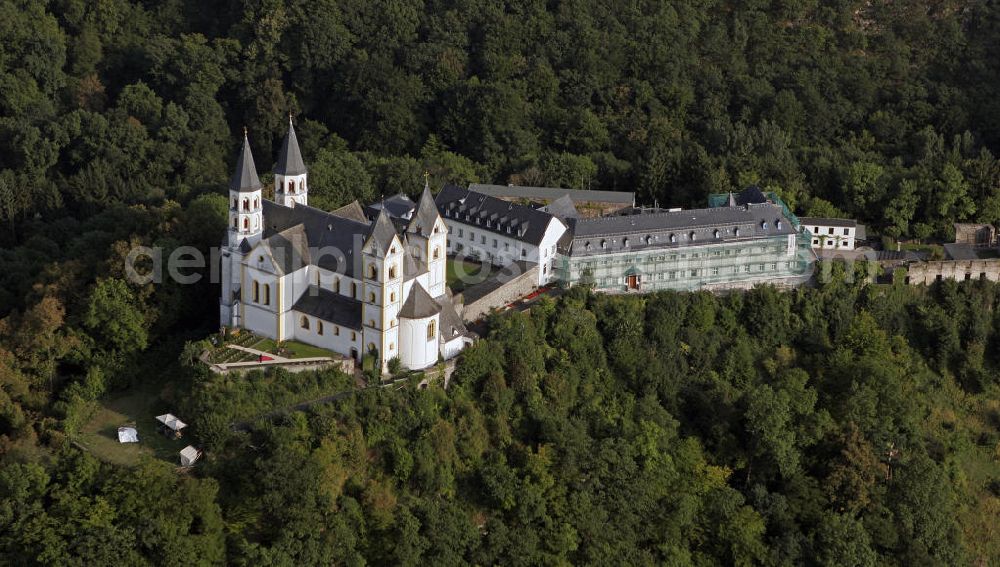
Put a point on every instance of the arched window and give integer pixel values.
(673, 238)
(693, 236)
(267, 294)
(431, 330)
(302, 185)
(392, 272)
(319, 327)
(291, 187)
(648, 239)
(256, 292)
(372, 271)
(716, 233)
(392, 297)
(763, 225)
(246, 224)
(246, 204)
(304, 322)
(256, 203)
(371, 347)
(437, 229)
(371, 297)
(336, 331)
(236, 224)
(234, 202)
(625, 242)
(736, 231)
(371, 323)
(437, 252)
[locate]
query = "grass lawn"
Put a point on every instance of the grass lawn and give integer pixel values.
(464, 273)
(137, 407)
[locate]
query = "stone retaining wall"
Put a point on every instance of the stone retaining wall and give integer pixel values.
(508, 292)
(929, 272)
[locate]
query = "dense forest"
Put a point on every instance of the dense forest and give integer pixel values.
(848, 424)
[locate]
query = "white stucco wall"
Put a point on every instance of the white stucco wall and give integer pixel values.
(417, 351)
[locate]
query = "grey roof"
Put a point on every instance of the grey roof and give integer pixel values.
(960, 251)
(290, 158)
(419, 305)
(552, 193)
(245, 177)
(752, 195)
(562, 208)
(451, 323)
(330, 306)
(352, 211)
(602, 235)
(334, 236)
(245, 246)
(382, 232)
(492, 214)
(820, 221)
(426, 214)
(290, 249)
(398, 206)
(412, 267)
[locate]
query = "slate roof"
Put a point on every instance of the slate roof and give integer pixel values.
(329, 306)
(562, 208)
(623, 198)
(352, 211)
(398, 206)
(819, 221)
(245, 178)
(289, 157)
(750, 196)
(603, 235)
(332, 235)
(419, 305)
(493, 214)
(382, 232)
(290, 249)
(451, 323)
(425, 215)
(960, 251)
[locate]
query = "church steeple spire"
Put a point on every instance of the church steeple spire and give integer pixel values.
(245, 178)
(290, 172)
(290, 157)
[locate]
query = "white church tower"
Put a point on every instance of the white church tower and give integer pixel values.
(290, 183)
(428, 239)
(246, 224)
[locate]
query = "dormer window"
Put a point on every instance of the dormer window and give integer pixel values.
(649, 239)
(587, 245)
(693, 236)
(625, 242)
(604, 244)
(777, 224)
(716, 233)
(763, 225)
(736, 231)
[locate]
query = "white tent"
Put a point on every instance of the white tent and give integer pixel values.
(189, 455)
(171, 421)
(128, 435)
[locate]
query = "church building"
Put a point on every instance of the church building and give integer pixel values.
(336, 280)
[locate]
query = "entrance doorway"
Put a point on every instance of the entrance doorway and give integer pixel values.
(632, 281)
(354, 354)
